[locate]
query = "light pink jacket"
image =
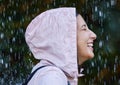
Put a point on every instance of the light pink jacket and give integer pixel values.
(51, 37)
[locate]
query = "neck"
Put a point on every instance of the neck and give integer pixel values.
(81, 60)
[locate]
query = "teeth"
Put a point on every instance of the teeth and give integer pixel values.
(90, 45)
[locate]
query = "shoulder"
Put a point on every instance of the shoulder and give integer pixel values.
(50, 75)
(54, 77)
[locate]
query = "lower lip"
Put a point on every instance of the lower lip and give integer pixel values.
(91, 48)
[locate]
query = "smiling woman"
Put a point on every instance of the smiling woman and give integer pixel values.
(85, 39)
(58, 42)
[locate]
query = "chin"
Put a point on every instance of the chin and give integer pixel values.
(90, 56)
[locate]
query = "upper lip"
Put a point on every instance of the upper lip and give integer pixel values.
(90, 44)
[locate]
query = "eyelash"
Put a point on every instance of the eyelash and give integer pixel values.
(84, 28)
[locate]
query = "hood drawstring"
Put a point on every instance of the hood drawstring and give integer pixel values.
(80, 74)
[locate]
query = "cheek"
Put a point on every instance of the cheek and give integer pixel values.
(83, 37)
(83, 50)
(81, 43)
(82, 47)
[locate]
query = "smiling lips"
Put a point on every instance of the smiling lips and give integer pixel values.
(90, 45)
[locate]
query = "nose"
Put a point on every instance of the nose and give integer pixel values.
(93, 35)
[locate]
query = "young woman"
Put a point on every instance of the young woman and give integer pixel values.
(61, 41)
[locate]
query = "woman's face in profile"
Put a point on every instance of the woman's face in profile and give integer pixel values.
(85, 39)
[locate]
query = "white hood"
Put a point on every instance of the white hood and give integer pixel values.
(52, 36)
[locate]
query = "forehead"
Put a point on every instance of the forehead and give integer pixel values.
(80, 20)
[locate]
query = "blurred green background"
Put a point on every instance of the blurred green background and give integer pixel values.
(102, 16)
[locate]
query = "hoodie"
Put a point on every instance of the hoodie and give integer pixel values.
(51, 37)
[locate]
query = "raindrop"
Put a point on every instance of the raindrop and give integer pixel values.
(92, 64)
(3, 14)
(15, 71)
(2, 35)
(102, 31)
(9, 18)
(30, 54)
(23, 20)
(37, 10)
(21, 30)
(2, 81)
(11, 31)
(10, 0)
(114, 78)
(104, 16)
(99, 57)
(18, 84)
(64, 1)
(1, 61)
(100, 44)
(105, 66)
(3, 24)
(85, 80)
(73, 4)
(30, 60)
(108, 5)
(107, 37)
(14, 13)
(116, 59)
(88, 71)
(54, 3)
(109, 48)
(13, 40)
(104, 83)
(119, 81)
(105, 60)
(98, 69)
(10, 83)
(100, 13)
(101, 22)
(113, 2)
(17, 4)
(48, 5)
(11, 50)
(114, 68)
(6, 65)
(96, 8)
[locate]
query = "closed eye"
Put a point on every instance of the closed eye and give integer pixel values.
(84, 27)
